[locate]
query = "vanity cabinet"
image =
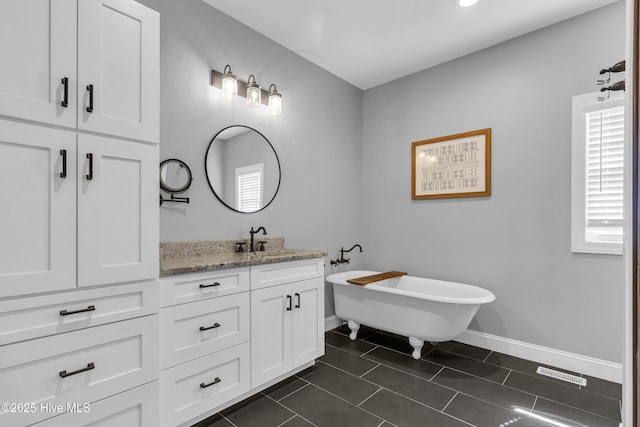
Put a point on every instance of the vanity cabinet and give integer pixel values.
(228, 334)
(287, 322)
(113, 45)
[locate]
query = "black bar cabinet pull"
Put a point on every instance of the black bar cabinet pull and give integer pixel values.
(65, 93)
(289, 298)
(64, 374)
(90, 174)
(298, 300)
(209, 285)
(84, 310)
(206, 328)
(63, 153)
(216, 381)
(90, 107)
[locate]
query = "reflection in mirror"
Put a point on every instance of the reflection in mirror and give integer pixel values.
(242, 169)
(175, 176)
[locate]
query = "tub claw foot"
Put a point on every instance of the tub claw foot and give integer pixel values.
(354, 329)
(417, 347)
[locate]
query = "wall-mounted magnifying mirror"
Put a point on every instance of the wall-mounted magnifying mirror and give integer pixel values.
(175, 178)
(243, 169)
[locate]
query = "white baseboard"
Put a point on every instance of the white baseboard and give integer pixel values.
(598, 368)
(593, 367)
(331, 322)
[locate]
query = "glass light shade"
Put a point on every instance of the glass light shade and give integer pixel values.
(230, 88)
(275, 101)
(254, 93)
(466, 3)
(229, 85)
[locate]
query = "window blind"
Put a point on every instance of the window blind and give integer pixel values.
(250, 191)
(605, 150)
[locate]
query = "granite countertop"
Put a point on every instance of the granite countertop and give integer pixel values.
(211, 255)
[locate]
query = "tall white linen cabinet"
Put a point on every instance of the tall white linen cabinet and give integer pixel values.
(79, 134)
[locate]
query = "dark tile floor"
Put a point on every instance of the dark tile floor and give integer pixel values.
(373, 381)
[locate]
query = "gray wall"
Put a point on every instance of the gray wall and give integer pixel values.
(346, 166)
(318, 137)
(516, 242)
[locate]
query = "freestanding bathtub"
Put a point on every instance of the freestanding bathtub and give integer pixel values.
(418, 308)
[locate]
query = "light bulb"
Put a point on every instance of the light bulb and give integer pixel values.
(275, 101)
(229, 85)
(254, 93)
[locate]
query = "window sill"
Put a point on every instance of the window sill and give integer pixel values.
(597, 248)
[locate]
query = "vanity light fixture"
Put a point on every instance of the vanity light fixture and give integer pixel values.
(232, 87)
(275, 101)
(229, 84)
(254, 93)
(466, 3)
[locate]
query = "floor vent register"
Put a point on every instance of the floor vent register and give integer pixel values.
(573, 379)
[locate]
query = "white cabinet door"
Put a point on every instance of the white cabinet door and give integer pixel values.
(38, 51)
(270, 333)
(117, 211)
(37, 222)
(118, 69)
(287, 328)
(307, 324)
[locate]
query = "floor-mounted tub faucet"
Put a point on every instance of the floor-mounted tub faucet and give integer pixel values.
(264, 232)
(342, 259)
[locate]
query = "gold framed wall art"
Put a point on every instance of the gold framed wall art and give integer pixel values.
(452, 166)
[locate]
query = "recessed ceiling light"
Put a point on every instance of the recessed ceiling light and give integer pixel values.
(466, 3)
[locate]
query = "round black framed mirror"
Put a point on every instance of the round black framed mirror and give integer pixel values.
(243, 169)
(175, 176)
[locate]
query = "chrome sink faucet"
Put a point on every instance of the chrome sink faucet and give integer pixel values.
(252, 232)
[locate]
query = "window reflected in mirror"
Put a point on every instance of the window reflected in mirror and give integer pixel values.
(243, 169)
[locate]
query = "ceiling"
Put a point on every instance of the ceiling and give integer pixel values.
(371, 42)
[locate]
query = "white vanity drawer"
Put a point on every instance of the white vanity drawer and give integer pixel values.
(27, 318)
(184, 288)
(80, 366)
(263, 276)
(201, 385)
(196, 329)
(133, 408)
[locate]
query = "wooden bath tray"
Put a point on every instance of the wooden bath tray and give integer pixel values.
(376, 277)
